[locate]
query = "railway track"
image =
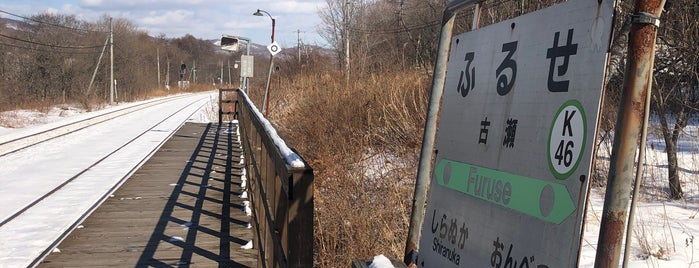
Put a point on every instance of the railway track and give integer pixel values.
(10, 144)
(50, 198)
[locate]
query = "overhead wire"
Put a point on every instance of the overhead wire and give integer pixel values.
(56, 48)
(47, 23)
(52, 51)
(398, 30)
(49, 45)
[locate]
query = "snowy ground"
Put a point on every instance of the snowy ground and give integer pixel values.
(663, 235)
(664, 230)
(30, 173)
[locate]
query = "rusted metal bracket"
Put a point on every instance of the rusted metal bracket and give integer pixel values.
(645, 18)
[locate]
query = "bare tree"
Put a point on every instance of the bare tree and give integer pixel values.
(338, 17)
(676, 80)
(50, 58)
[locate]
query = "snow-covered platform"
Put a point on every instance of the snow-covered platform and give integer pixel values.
(183, 207)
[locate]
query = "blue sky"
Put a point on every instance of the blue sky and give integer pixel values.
(206, 19)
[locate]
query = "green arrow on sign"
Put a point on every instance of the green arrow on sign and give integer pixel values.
(548, 201)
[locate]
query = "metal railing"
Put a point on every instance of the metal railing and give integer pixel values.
(281, 192)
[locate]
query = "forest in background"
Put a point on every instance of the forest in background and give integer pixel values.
(50, 59)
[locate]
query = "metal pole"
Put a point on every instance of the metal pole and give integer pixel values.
(429, 135)
(167, 75)
(628, 128)
(269, 77)
(111, 64)
(247, 52)
(639, 172)
(476, 16)
(244, 80)
(265, 104)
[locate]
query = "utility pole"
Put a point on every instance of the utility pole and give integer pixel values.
(194, 71)
(167, 75)
(298, 45)
(158, 57)
(221, 77)
(111, 64)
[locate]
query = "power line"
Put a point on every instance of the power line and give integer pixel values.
(52, 51)
(47, 23)
(396, 31)
(49, 45)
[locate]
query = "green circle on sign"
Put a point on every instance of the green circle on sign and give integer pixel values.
(567, 144)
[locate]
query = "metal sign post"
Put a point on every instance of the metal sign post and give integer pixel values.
(519, 111)
(636, 90)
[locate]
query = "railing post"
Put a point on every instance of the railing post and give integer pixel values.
(220, 108)
(301, 219)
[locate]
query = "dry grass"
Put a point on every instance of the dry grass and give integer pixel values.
(651, 242)
(362, 138)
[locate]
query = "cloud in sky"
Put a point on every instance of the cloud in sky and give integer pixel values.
(206, 19)
(168, 17)
(128, 4)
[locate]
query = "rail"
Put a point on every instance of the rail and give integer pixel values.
(23, 139)
(281, 192)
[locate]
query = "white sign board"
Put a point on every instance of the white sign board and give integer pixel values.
(274, 48)
(247, 63)
(517, 124)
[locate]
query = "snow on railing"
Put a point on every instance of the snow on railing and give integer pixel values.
(279, 174)
(290, 157)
